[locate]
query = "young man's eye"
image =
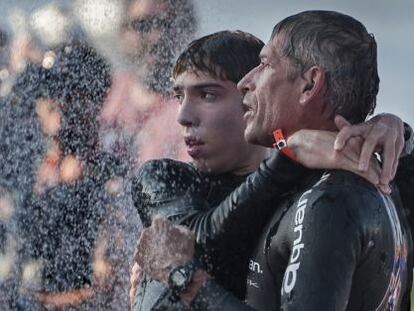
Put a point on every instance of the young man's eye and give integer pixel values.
(178, 97)
(209, 96)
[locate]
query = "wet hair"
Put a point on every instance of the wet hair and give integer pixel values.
(343, 48)
(226, 55)
(78, 81)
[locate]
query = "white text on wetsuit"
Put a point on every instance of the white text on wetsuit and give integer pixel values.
(290, 276)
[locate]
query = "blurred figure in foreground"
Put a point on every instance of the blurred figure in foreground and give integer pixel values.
(4, 59)
(74, 248)
(139, 122)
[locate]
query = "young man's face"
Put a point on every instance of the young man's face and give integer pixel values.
(211, 116)
(271, 100)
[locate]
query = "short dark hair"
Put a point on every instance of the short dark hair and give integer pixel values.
(227, 55)
(340, 45)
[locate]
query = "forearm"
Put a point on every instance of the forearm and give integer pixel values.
(211, 296)
(254, 199)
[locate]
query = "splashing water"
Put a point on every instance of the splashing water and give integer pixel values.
(72, 127)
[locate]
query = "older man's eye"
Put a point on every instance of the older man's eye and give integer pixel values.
(263, 65)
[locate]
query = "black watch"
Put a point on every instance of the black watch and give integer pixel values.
(180, 277)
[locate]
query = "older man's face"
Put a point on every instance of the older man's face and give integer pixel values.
(271, 101)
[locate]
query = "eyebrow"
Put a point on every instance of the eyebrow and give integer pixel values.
(199, 86)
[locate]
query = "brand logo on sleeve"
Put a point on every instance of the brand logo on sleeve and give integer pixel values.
(289, 279)
(251, 283)
(255, 266)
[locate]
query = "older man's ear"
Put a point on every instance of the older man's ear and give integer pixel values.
(313, 85)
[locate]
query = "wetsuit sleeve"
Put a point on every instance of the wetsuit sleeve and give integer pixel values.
(241, 216)
(324, 245)
(166, 187)
(170, 188)
(213, 297)
(405, 177)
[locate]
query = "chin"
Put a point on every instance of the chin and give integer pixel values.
(201, 165)
(209, 167)
(258, 138)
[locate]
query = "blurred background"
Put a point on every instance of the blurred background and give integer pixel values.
(390, 21)
(57, 61)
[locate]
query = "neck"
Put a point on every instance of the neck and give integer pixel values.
(258, 154)
(317, 119)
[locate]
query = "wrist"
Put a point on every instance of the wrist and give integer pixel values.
(179, 278)
(282, 145)
(200, 277)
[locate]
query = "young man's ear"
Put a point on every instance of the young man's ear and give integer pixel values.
(313, 85)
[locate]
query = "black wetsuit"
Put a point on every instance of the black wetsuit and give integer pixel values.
(189, 197)
(158, 190)
(335, 244)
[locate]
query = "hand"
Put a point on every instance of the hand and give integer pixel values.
(136, 274)
(164, 246)
(315, 149)
(383, 133)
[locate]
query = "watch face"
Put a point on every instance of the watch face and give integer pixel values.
(179, 277)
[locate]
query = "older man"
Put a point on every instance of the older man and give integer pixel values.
(335, 242)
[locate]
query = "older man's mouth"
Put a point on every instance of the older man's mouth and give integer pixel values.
(248, 109)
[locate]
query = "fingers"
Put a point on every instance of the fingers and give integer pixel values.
(372, 174)
(399, 146)
(352, 149)
(384, 134)
(388, 162)
(141, 246)
(159, 223)
(348, 159)
(134, 280)
(392, 142)
(341, 122)
(346, 131)
(367, 151)
(384, 188)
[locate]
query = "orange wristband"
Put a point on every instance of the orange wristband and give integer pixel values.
(281, 144)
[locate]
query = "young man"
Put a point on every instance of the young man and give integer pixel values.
(328, 238)
(211, 115)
